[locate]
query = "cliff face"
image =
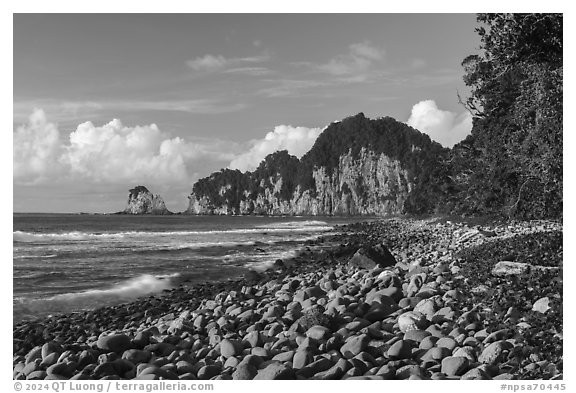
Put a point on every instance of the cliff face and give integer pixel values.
(356, 167)
(142, 201)
(371, 184)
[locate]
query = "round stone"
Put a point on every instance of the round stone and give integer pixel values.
(401, 349)
(114, 343)
(455, 365)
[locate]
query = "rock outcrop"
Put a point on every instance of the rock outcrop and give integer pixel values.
(142, 201)
(356, 167)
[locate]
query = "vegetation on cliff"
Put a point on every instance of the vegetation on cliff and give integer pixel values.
(511, 164)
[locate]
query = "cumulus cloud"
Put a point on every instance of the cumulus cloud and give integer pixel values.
(112, 153)
(297, 140)
(36, 148)
(445, 127)
(359, 58)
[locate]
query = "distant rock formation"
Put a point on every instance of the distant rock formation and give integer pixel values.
(356, 167)
(142, 201)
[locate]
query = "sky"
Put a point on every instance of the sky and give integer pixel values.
(105, 102)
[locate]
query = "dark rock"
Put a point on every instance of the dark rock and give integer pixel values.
(245, 372)
(302, 358)
(371, 257)
(209, 371)
(494, 352)
(354, 345)
(455, 365)
(401, 349)
(114, 342)
(136, 356)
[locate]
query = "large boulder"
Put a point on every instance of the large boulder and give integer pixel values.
(370, 257)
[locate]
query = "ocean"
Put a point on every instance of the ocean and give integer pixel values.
(73, 262)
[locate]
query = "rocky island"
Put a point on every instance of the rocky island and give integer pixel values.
(142, 201)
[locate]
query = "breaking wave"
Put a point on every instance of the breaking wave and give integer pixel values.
(291, 226)
(125, 291)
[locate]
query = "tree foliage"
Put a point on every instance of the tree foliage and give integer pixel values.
(512, 162)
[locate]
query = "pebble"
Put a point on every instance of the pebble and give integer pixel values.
(354, 345)
(245, 371)
(275, 371)
(318, 332)
(114, 342)
(416, 335)
(401, 349)
(541, 305)
(493, 352)
(455, 365)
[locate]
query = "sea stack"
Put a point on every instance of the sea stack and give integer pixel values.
(142, 201)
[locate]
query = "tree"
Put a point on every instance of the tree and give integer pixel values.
(517, 102)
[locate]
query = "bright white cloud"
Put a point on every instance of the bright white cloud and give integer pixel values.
(109, 154)
(445, 127)
(297, 140)
(36, 148)
(359, 58)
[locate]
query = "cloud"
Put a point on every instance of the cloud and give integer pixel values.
(289, 87)
(79, 110)
(297, 140)
(207, 63)
(36, 148)
(445, 127)
(255, 71)
(213, 63)
(360, 57)
(109, 154)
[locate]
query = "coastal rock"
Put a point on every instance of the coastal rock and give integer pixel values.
(245, 372)
(114, 342)
(355, 181)
(142, 201)
(401, 349)
(371, 257)
(318, 332)
(354, 345)
(411, 321)
(455, 365)
(275, 371)
(541, 305)
(493, 352)
(506, 268)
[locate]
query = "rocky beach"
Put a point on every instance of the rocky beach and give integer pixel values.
(388, 299)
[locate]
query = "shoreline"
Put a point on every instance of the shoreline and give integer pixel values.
(319, 316)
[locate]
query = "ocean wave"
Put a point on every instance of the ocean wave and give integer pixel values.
(131, 289)
(268, 262)
(292, 226)
(125, 291)
(195, 246)
(296, 225)
(34, 256)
